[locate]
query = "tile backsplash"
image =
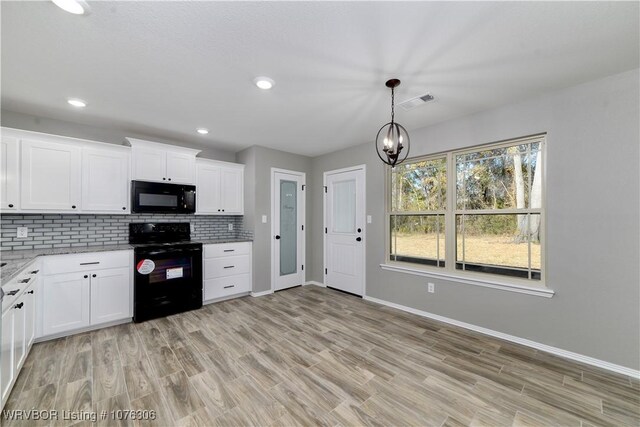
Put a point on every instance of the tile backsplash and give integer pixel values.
(68, 230)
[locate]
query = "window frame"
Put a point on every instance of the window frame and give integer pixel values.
(449, 270)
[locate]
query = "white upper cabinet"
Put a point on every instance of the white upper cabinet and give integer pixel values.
(207, 187)
(233, 190)
(105, 180)
(9, 167)
(162, 163)
(50, 176)
(219, 188)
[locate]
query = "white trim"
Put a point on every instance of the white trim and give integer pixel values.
(303, 180)
(467, 280)
(313, 282)
(261, 294)
(363, 168)
(522, 341)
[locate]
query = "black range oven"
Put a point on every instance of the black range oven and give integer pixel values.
(159, 197)
(168, 270)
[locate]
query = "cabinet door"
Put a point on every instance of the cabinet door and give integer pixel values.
(50, 176)
(149, 164)
(7, 372)
(105, 181)
(208, 189)
(19, 336)
(65, 302)
(110, 295)
(9, 174)
(30, 316)
(180, 168)
(232, 190)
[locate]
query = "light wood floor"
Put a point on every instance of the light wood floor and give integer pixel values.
(313, 356)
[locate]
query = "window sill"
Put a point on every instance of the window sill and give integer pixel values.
(471, 280)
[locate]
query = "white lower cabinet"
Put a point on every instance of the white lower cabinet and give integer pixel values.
(18, 327)
(84, 290)
(65, 305)
(227, 270)
(110, 291)
(7, 372)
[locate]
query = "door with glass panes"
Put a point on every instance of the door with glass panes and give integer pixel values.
(287, 229)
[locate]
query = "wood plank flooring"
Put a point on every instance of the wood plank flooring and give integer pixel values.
(313, 356)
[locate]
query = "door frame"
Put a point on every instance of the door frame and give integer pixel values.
(303, 176)
(363, 168)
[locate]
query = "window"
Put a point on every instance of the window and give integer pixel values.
(478, 210)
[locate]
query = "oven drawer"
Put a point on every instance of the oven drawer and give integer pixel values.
(58, 264)
(227, 266)
(227, 249)
(225, 286)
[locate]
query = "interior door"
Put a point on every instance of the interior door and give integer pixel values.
(344, 230)
(288, 229)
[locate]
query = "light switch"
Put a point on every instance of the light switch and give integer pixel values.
(368, 219)
(264, 219)
(230, 227)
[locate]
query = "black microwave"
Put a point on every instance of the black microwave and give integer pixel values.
(157, 197)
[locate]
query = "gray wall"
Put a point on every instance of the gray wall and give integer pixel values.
(110, 135)
(592, 222)
(63, 230)
(258, 163)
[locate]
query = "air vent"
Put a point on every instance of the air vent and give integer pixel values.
(412, 103)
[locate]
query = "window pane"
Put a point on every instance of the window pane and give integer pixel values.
(419, 186)
(418, 238)
(498, 244)
(500, 178)
(288, 227)
(344, 206)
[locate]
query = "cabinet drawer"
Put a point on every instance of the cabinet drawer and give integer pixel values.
(84, 262)
(19, 284)
(227, 249)
(227, 266)
(225, 286)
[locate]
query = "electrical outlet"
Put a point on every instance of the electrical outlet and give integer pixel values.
(431, 288)
(230, 227)
(192, 227)
(22, 233)
(368, 219)
(264, 219)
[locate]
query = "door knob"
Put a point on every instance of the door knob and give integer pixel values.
(358, 239)
(277, 237)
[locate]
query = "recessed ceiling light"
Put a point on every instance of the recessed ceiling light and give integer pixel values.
(264, 82)
(77, 7)
(78, 103)
(202, 131)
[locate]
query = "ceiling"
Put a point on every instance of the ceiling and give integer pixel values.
(166, 68)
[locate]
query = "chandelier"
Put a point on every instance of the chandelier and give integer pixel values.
(392, 140)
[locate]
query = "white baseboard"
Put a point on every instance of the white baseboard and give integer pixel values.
(523, 341)
(313, 282)
(261, 294)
